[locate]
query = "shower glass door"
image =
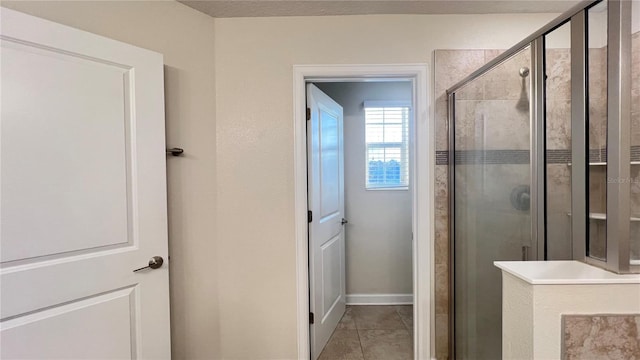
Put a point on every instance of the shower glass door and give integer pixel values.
(492, 132)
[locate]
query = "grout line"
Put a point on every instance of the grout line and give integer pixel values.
(360, 342)
(397, 312)
(409, 331)
(402, 320)
(400, 317)
(353, 308)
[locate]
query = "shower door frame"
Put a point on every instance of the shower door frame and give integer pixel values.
(619, 140)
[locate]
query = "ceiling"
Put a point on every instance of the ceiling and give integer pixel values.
(258, 8)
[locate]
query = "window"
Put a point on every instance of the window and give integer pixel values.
(387, 142)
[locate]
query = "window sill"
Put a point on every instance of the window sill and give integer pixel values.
(404, 188)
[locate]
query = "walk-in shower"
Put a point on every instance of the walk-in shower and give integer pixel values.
(544, 147)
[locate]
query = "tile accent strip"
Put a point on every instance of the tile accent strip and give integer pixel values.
(558, 156)
(505, 157)
(469, 157)
(635, 153)
(442, 157)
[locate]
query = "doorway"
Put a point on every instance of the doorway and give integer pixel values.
(420, 176)
(360, 231)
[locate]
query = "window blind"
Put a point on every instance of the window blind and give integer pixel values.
(387, 145)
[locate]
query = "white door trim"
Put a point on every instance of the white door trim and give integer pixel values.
(422, 144)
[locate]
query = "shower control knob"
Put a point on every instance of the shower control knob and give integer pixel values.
(521, 197)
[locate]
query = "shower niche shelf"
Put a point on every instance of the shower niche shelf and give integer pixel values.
(605, 164)
(603, 217)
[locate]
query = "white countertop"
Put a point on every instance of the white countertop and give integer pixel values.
(563, 272)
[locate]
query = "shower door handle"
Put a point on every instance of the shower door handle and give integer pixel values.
(525, 252)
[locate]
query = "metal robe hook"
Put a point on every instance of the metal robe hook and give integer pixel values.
(175, 151)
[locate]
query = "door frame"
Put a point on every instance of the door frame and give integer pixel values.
(421, 146)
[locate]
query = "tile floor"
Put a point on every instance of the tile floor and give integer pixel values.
(372, 333)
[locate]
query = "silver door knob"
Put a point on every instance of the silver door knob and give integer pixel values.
(344, 221)
(154, 263)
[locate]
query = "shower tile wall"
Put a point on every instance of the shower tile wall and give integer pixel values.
(558, 112)
(450, 67)
(597, 150)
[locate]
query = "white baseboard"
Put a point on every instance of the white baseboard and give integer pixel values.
(379, 299)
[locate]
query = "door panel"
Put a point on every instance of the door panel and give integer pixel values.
(329, 170)
(61, 113)
(331, 276)
(110, 330)
(326, 201)
(82, 195)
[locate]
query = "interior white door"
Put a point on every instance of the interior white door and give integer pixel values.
(82, 195)
(326, 203)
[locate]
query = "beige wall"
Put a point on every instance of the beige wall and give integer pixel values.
(185, 37)
(378, 236)
(254, 85)
(231, 195)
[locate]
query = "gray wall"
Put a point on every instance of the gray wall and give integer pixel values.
(378, 236)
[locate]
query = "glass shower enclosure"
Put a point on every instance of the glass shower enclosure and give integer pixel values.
(493, 221)
(544, 147)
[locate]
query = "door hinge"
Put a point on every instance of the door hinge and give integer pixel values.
(308, 113)
(311, 318)
(309, 216)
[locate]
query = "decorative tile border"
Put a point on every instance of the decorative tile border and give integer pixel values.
(492, 157)
(442, 157)
(505, 157)
(635, 153)
(558, 156)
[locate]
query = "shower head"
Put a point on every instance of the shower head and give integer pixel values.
(523, 102)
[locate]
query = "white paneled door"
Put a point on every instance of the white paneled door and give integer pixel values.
(326, 202)
(82, 196)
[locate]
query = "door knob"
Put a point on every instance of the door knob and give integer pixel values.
(344, 221)
(154, 263)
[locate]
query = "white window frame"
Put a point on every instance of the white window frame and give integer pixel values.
(404, 173)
